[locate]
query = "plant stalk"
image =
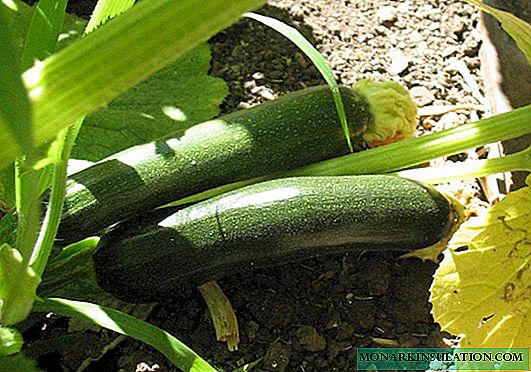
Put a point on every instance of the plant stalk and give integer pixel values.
(52, 218)
(520, 161)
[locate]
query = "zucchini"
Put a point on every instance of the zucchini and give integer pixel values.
(267, 224)
(297, 129)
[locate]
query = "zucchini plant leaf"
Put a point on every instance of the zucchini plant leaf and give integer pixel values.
(72, 30)
(15, 107)
(18, 285)
(519, 29)
(96, 69)
(10, 341)
(43, 33)
(168, 102)
(18, 363)
(481, 289)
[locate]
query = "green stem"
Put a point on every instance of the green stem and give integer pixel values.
(27, 205)
(52, 218)
(521, 161)
(404, 154)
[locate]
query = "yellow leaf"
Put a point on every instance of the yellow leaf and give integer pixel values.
(482, 289)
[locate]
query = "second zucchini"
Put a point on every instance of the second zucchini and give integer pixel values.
(267, 224)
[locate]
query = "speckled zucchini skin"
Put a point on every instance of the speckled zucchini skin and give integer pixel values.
(297, 129)
(269, 223)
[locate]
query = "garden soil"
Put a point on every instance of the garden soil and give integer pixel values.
(312, 315)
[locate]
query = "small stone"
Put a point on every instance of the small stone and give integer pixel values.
(258, 75)
(399, 62)
(449, 50)
(266, 94)
(448, 120)
(310, 339)
(251, 329)
(297, 12)
(386, 15)
(276, 358)
(421, 95)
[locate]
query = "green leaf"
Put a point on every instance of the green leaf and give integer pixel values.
(19, 19)
(8, 228)
(167, 103)
(17, 363)
(15, 107)
(106, 9)
(10, 341)
(7, 188)
(115, 57)
(519, 29)
(18, 285)
(44, 30)
(177, 352)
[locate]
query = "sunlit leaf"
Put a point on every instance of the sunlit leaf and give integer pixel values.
(15, 107)
(115, 57)
(43, 33)
(481, 289)
(10, 341)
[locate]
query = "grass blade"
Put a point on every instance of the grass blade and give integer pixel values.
(177, 352)
(318, 60)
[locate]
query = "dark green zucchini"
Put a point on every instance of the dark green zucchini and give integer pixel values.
(266, 224)
(297, 129)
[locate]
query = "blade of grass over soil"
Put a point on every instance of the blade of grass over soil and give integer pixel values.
(318, 60)
(115, 57)
(178, 353)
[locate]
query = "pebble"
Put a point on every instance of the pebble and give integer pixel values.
(310, 339)
(448, 120)
(386, 15)
(276, 357)
(422, 95)
(266, 94)
(399, 61)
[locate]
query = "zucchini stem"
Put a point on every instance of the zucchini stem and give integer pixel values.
(52, 218)
(520, 161)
